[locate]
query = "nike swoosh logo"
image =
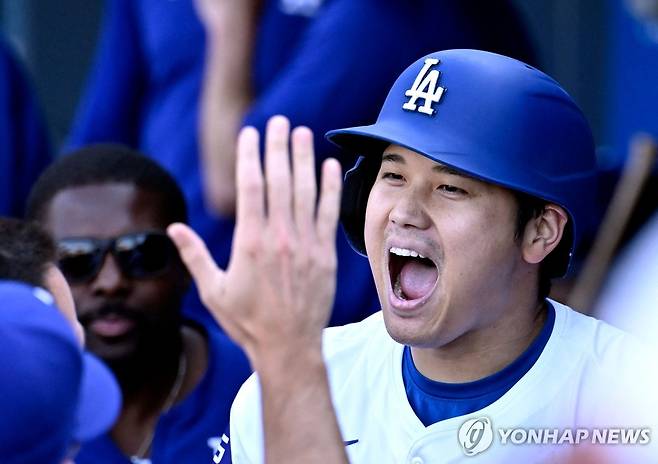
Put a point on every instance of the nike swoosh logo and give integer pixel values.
(350, 442)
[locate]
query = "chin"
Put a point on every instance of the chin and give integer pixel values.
(114, 351)
(406, 331)
(416, 331)
(415, 340)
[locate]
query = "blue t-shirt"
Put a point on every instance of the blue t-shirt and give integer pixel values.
(325, 69)
(190, 431)
(24, 147)
(436, 401)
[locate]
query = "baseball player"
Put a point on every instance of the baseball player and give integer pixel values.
(53, 395)
(28, 254)
(472, 191)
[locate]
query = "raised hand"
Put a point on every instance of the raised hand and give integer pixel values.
(276, 294)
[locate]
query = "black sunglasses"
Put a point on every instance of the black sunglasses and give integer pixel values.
(139, 255)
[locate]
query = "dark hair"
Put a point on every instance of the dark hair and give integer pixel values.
(102, 164)
(555, 264)
(26, 251)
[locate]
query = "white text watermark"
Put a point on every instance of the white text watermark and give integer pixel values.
(477, 435)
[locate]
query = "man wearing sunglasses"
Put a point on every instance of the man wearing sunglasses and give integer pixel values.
(107, 207)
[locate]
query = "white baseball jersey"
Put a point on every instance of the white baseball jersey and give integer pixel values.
(582, 376)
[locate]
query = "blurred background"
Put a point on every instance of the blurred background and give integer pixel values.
(606, 59)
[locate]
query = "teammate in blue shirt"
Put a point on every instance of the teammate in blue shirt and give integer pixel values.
(107, 208)
(324, 64)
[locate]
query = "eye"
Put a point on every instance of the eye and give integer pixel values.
(392, 176)
(451, 190)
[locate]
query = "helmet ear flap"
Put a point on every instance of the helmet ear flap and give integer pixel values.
(356, 190)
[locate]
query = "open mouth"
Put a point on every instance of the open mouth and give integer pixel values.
(413, 276)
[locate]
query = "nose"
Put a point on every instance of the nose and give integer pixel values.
(110, 281)
(409, 211)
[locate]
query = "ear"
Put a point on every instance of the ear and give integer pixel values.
(543, 233)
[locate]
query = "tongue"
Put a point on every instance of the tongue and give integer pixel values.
(417, 279)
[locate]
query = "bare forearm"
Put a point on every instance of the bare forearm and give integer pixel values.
(275, 297)
(299, 422)
(226, 96)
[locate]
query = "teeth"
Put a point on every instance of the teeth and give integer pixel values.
(405, 252)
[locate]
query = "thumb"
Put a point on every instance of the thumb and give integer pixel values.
(196, 257)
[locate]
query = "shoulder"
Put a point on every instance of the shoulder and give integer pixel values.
(221, 375)
(612, 366)
(363, 349)
(356, 336)
(339, 344)
(217, 368)
(593, 338)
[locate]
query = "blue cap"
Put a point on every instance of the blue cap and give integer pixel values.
(51, 393)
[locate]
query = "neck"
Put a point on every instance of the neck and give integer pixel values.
(133, 431)
(484, 351)
(147, 375)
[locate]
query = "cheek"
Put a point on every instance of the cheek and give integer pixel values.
(157, 294)
(479, 249)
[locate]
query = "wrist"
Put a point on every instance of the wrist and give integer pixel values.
(292, 358)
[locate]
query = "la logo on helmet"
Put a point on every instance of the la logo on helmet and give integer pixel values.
(425, 86)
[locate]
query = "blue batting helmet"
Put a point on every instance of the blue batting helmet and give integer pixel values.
(52, 393)
(492, 117)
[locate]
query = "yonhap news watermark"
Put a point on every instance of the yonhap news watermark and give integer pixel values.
(478, 434)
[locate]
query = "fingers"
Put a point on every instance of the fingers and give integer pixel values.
(197, 258)
(329, 205)
(249, 181)
(303, 162)
(289, 197)
(277, 170)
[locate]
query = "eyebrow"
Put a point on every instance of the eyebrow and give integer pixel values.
(440, 168)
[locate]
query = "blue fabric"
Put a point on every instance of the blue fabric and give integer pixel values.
(38, 348)
(327, 71)
(632, 72)
(436, 401)
(48, 385)
(24, 146)
(182, 435)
